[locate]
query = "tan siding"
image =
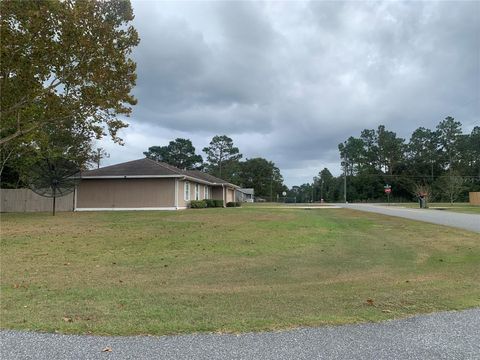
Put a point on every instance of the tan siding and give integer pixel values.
(217, 193)
(230, 195)
(181, 194)
(126, 193)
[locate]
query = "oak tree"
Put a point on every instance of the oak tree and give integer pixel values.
(66, 64)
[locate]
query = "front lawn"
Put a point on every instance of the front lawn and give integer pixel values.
(455, 207)
(228, 270)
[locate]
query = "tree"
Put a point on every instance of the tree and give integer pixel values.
(452, 185)
(390, 150)
(66, 64)
(221, 155)
(179, 153)
(351, 153)
(370, 149)
(98, 155)
(74, 146)
(263, 176)
(449, 131)
(423, 154)
(468, 149)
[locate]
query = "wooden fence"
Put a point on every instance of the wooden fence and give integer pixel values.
(474, 198)
(25, 200)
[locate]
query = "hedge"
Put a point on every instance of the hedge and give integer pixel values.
(234, 204)
(210, 203)
(198, 204)
(218, 203)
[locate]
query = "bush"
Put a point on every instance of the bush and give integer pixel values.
(210, 203)
(198, 204)
(218, 203)
(234, 204)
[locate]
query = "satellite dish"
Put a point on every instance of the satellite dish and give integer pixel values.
(53, 178)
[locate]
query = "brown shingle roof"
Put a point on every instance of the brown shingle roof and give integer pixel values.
(148, 167)
(206, 177)
(133, 168)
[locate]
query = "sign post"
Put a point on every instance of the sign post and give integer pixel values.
(388, 189)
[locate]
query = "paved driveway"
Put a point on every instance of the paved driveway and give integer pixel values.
(470, 222)
(448, 335)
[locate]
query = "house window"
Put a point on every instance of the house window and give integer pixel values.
(187, 191)
(206, 192)
(197, 192)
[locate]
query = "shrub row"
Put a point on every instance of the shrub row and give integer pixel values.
(210, 203)
(198, 204)
(234, 204)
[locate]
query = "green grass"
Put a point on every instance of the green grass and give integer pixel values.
(228, 270)
(465, 208)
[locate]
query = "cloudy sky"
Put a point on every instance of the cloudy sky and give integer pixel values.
(288, 81)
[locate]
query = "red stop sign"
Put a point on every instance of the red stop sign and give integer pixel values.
(388, 191)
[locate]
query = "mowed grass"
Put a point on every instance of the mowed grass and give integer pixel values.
(465, 208)
(228, 270)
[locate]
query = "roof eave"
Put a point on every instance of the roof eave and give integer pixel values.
(129, 176)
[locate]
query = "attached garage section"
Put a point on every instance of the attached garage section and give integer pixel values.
(125, 194)
(230, 194)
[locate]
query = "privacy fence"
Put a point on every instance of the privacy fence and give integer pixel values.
(25, 200)
(474, 198)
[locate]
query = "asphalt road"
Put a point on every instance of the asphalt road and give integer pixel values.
(447, 335)
(470, 222)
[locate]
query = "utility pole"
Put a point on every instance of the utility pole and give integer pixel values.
(271, 186)
(345, 181)
(321, 190)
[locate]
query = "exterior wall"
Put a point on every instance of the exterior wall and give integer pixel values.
(474, 198)
(230, 195)
(25, 200)
(181, 192)
(181, 189)
(126, 193)
(217, 193)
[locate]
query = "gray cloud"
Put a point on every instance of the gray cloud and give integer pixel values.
(290, 80)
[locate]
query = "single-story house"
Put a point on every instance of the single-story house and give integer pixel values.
(146, 184)
(245, 195)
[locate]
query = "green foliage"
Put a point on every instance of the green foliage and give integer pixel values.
(234, 204)
(210, 203)
(257, 173)
(444, 161)
(218, 203)
(66, 64)
(263, 176)
(198, 204)
(179, 153)
(222, 157)
(66, 77)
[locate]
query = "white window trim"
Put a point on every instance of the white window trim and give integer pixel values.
(206, 192)
(197, 192)
(186, 191)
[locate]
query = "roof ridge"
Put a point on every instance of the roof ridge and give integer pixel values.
(108, 166)
(166, 166)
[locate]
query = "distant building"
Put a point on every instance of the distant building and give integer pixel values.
(245, 195)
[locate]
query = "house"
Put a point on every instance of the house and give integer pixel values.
(245, 195)
(146, 184)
